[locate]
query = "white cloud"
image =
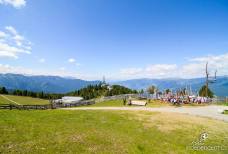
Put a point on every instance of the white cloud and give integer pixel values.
(155, 71)
(71, 60)
(18, 39)
(160, 70)
(11, 29)
(192, 70)
(10, 69)
(2, 34)
(14, 3)
(212, 58)
(197, 66)
(15, 36)
(194, 67)
(11, 51)
(12, 43)
(42, 60)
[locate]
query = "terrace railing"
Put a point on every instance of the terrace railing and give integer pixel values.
(220, 100)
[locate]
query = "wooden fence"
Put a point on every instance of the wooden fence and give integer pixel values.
(65, 105)
(26, 107)
(45, 107)
(220, 100)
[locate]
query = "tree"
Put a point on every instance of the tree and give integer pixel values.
(25, 93)
(94, 91)
(151, 89)
(204, 90)
(141, 91)
(3, 90)
(167, 91)
(118, 90)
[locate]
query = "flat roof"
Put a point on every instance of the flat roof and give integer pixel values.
(71, 98)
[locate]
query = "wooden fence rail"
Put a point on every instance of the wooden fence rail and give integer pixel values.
(82, 103)
(7, 106)
(25, 107)
(44, 107)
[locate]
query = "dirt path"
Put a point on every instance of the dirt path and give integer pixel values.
(9, 100)
(212, 111)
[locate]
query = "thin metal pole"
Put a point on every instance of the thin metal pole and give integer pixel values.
(207, 74)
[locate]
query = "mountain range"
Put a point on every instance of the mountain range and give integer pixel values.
(56, 84)
(48, 84)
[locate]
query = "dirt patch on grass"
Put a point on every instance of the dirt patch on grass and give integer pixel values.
(79, 138)
(166, 122)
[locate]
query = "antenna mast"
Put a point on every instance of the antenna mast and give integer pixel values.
(215, 74)
(207, 76)
(209, 80)
(103, 80)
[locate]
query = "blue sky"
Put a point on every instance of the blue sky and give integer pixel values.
(121, 39)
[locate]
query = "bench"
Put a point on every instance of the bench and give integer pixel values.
(138, 103)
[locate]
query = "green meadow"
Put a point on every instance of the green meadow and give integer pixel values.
(4, 101)
(22, 100)
(61, 131)
(110, 103)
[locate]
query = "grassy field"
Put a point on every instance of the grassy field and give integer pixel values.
(110, 103)
(157, 103)
(58, 131)
(4, 101)
(23, 100)
(225, 112)
(225, 103)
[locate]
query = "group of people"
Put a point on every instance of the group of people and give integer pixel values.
(186, 99)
